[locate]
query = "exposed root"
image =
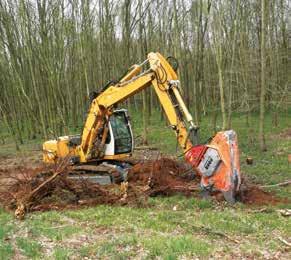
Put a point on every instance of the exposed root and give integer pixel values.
(281, 184)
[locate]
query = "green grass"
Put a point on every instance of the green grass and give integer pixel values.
(6, 228)
(53, 226)
(197, 228)
(29, 247)
(121, 232)
(61, 253)
(6, 251)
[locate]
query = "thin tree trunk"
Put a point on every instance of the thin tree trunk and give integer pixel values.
(263, 146)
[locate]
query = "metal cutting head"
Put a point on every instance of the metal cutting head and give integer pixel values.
(218, 164)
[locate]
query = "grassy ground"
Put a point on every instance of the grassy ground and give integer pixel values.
(170, 228)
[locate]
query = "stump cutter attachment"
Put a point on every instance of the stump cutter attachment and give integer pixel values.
(218, 164)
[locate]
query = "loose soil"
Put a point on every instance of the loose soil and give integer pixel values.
(147, 178)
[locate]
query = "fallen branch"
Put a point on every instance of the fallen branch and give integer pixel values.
(218, 233)
(281, 184)
(284, 241)
(207, 230)
(261, 210)
(285, 212)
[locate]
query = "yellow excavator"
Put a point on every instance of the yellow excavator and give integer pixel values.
(107, 138)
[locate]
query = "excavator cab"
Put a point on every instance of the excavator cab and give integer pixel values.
(119, 141)
(120, 138)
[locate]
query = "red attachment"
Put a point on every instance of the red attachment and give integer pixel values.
(195, 154)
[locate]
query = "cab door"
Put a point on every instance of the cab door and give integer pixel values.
(120, 138)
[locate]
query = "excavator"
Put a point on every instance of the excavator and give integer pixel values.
(107, 139)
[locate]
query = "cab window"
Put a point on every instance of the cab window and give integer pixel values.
(121, 132)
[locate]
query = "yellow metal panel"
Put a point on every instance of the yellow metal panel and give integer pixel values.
(182, 104)
(181, 131)
(116, 94)
(117, 156)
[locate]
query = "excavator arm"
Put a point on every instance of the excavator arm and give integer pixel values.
(217, 162)
(166, 85)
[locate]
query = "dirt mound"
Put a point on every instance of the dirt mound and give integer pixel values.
(162, 172)
(164, 177)
(22, 189)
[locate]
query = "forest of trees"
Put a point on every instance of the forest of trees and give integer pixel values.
(233, 57)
